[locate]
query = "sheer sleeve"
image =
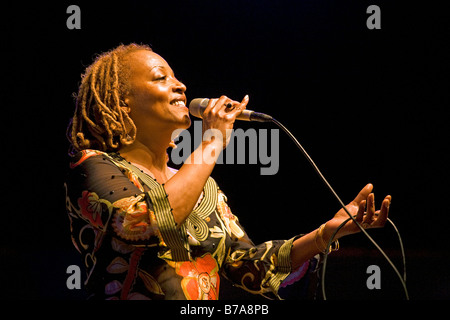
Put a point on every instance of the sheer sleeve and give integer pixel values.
(258, 269)
(112, 200)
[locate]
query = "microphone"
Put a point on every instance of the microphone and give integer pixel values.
(198, 106)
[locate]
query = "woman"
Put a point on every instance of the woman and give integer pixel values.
(147, 231)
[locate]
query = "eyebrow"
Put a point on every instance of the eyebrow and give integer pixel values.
(169, 70)
(157, 67)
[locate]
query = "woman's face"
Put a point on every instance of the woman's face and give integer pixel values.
(155, 97)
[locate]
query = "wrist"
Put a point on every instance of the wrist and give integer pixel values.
(322, 239)
(328, 231)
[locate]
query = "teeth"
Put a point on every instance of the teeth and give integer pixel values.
(178, 103)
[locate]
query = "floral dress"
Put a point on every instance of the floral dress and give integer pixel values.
(122, 224)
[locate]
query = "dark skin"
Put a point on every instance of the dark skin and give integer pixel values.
(156, 102)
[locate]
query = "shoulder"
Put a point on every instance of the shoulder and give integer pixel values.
(98, 164)
(83, 155)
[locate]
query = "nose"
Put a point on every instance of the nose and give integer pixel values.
(179, 86)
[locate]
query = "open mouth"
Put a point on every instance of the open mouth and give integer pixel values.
(178, 103)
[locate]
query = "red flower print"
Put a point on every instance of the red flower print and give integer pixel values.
(92, 208)
(133, 220)
(85, 154)
(200, 278)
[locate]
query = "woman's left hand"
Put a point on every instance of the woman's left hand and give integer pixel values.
(362, 208)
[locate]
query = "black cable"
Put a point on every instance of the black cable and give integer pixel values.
(343, 205)
(401, 248)
(324, 263)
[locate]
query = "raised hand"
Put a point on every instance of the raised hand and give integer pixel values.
(362, 208)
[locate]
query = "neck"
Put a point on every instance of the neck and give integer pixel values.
(151, 155)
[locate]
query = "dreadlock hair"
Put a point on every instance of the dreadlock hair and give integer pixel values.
(99, 121)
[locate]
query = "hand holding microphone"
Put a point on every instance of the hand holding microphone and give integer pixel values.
(198, 106)
(218, 117)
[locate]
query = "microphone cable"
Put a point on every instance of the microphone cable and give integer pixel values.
(324, 263)
(316, 169)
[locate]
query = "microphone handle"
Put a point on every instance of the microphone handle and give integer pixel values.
(258, 116)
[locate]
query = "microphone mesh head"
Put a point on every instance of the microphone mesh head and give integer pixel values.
(197, 106)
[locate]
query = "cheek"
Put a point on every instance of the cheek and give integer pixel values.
(152, 93)
(148, 103)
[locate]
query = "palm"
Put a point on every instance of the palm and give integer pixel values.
(362, 208)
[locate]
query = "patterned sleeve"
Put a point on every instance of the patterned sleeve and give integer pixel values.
(110, 199)
(258, 269)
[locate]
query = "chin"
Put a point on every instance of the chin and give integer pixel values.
(186, 122)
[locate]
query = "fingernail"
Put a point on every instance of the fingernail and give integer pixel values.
(246, 97)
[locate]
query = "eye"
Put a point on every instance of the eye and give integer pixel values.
(161, 78)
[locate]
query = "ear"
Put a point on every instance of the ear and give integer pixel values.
(125, 107)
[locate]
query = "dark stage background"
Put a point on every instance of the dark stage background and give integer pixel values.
(368, 105)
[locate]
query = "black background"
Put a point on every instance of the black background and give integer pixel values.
(368, 106)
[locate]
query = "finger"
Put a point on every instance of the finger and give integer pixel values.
(239, 107)
(362, 195)
(370, 208)
(219, 104)
(383, 213)
(360, 214)
(211, 104)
